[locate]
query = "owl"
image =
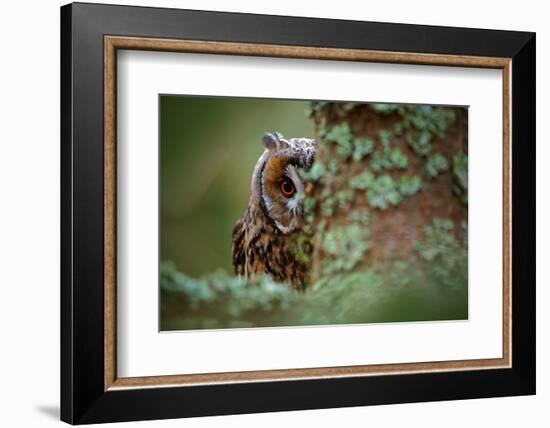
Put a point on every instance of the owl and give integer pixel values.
(264, 238)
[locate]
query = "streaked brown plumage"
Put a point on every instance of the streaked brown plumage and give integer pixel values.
(263, 238)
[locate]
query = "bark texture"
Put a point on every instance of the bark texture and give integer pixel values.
(383, 174)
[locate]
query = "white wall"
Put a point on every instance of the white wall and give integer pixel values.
(29, 213)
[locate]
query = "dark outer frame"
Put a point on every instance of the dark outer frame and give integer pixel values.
(113, 43)
(83, 396)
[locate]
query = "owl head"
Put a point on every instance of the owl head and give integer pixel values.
(276, 183)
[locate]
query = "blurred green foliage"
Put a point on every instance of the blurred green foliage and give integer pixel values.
(399, 291)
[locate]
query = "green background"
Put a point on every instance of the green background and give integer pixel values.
(208, 149)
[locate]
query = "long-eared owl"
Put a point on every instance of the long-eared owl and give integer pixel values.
(264, 237)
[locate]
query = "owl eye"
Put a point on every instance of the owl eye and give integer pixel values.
(287, 187)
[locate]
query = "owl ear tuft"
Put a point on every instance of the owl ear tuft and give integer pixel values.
(273, 141)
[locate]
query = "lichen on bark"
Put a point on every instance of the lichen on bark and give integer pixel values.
(383, 174)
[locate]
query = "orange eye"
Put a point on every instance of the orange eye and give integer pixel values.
(287, 187)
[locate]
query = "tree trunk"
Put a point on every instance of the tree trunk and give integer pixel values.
(382, 175)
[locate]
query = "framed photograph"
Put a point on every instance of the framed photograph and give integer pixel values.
(266, 213)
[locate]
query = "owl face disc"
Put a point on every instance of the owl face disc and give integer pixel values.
(282, 189)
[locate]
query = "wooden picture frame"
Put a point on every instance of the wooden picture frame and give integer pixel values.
(91, 391)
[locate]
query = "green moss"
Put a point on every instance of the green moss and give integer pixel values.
(420, 142)
(345, 197)
(315, 173)
(360, 216)
(435, 164)
(446, 257)
(342, 136)
(347, 107)
(344, 247)
(316, 107)
(385, 136)
(433, 119)
(399, 128)
(426, 122)
(362, 181)
(385, 108)
(409, 186)
(460, 175)
(383, 193)
(309, 204)
(389, 159)
(327, 206)
(333, 166)
(362, 148)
